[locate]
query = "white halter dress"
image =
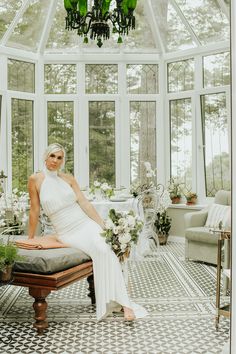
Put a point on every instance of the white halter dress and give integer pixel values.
(76, 229)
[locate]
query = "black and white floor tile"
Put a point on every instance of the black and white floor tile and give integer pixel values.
(179, 296)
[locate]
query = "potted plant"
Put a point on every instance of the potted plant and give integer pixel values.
(162, 225)
(8, 255)
(191, 198)
(175, 191)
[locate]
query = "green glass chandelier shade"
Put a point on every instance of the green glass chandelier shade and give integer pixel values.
(95, 21)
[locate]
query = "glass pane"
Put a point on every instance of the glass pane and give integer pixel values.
(175, 35)
(143, 138)
(8, 10)
(28, 31)
(215, 143)
(60, 38)
(21, 76)
(102, 141)
(216, 70)
(22, 142)
(101, 78)
(181, 75)
(206, 19)
(142, 78)
(60, 78)
(61, 129)
(181, 140)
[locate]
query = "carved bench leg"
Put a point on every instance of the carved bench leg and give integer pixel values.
(40, 308)
(91, 294)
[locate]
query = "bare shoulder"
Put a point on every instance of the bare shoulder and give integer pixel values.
(35, 179)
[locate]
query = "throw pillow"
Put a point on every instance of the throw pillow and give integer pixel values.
(218, 213)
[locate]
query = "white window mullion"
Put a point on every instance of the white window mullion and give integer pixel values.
(83, 129)
(162, 154)
(124, 145)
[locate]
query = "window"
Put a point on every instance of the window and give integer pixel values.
(102, 141)
(61, 129)
(100, 78)
(215, 143)
(181, 75)
(22, 142)
(142, 78)
(21, 76)
(142, 139)
(216, 70)
(60, 78)
(181, 140)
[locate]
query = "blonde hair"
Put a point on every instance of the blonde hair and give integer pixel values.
(55, 147)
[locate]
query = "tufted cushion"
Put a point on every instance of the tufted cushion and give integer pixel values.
(49, 261)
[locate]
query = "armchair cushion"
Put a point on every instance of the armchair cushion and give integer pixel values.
(197, 218)
(218, 213)
(200, 234)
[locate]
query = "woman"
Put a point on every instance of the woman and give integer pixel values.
(78, 225)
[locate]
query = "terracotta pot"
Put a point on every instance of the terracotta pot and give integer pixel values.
(6, 274)
(162, 239)
(191, 201)
(175, 200)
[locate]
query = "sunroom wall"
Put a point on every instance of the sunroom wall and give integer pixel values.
(121, 100)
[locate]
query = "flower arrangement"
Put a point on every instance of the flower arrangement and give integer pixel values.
(175, 189)
(121, 231)
(13, 216)
(106, 190)
(191, 197)
(137, 188)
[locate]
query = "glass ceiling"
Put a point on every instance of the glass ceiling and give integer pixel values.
(162, 26)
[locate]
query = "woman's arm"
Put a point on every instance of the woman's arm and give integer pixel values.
(87, 207)
(34, 206)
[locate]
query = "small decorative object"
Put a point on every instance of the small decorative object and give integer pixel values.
(8, 255)
(175, 191)
(121, 231)
(95, 21)
(191, 198)
(107, 190)
(101, 190)
(13, 216)
(162, 225)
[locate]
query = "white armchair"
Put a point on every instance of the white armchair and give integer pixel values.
(200, 243)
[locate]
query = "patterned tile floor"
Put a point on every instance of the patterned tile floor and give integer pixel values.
(178, 295)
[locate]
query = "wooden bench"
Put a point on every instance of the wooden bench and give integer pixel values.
(41, 285)
(43, 271)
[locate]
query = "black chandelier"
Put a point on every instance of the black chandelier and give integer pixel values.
(95, 21)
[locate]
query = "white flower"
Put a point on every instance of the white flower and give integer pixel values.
(125, 238)
(123, 222)
(131, 220)
(109, 224)
(97, 184)
(116, 229)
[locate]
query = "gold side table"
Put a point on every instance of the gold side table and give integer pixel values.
(221, 310)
